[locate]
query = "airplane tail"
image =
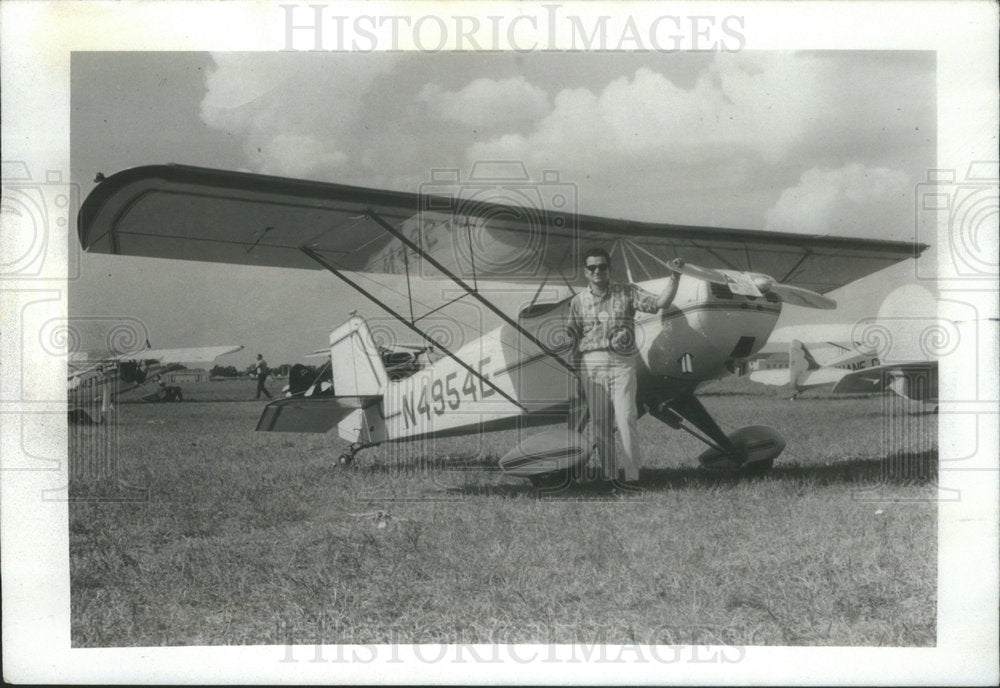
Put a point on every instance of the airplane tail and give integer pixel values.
(357, 365)
(800, 361)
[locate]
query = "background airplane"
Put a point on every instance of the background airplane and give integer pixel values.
(517, 374)
(897, 351)
(805, 372)
(93, 385)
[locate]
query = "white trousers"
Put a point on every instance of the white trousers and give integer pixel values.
(609, 386)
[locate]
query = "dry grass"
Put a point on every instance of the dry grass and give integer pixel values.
(235, 537)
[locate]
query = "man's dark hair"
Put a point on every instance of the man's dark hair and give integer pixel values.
(595, 252)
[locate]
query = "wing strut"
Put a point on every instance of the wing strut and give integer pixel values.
(469, 290)
(796, 266)
(364, 292)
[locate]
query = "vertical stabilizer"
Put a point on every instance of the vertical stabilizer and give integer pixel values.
(357, 365)
(800, 361)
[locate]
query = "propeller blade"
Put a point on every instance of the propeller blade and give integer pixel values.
(749, 284)
(696, 271)
(802, 297)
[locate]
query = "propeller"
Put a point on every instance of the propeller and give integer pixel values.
(754, 284)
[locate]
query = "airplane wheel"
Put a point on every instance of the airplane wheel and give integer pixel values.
(760, 446)
(346, 459)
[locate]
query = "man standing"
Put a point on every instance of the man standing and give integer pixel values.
(602, 325)
(259, 368)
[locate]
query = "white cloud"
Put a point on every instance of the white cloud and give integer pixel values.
(487, 102)
(740, 105)
(745, 123)
(291, 114)
(853, 200)
(660, 143)
(297, 155)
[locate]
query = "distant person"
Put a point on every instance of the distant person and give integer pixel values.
(602, 326)
(161, 388)
(260, 369)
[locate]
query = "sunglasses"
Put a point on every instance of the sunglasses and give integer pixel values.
(595, 268)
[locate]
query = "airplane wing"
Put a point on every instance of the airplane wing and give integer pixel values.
(81, 365)
(197, 354)
(879, 379)
(191, 213)
(869, 381)
(810, 378)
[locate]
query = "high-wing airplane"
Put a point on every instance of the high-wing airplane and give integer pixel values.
(93, 385)
(514, 375)
(916, 380)
(804, 372)
(854, 370)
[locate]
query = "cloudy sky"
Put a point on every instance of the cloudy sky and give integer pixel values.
(810, 142)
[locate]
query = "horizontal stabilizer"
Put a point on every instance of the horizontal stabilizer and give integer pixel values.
(299, 414)
(820, 377)
(869, 381)
(806, 379)
(777, 377)
(915, 380)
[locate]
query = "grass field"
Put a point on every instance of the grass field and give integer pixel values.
(208, 533)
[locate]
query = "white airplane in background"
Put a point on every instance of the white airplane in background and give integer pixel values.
(400, 360)
(855, 369)
(93, 383)
(512, 376)
(804, 372)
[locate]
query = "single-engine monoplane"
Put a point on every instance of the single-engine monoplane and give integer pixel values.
(517, 371)
(94, 382)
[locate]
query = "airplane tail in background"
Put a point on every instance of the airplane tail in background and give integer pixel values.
(800, 362)
(803, 371)
(357, 365)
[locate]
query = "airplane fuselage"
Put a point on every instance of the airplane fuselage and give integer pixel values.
(694, 340)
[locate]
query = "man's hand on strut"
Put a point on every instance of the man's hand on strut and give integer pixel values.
(670, 291)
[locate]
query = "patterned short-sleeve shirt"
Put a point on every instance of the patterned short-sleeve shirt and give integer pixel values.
(593, 319)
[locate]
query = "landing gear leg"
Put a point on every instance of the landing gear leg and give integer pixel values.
(747, 451)
(347, 458)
